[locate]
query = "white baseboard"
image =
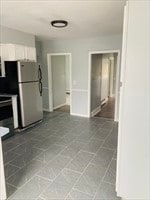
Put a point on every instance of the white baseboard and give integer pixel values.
(95, 111)
(59, 106)
(116, 120)
(79, 115)
(112, 95)
(104, 101)
(46, 110)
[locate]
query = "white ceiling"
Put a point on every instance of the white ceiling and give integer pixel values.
(85, 18)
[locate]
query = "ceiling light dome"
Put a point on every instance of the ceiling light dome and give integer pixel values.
(59, 23)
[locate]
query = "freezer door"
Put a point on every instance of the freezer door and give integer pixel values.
(27, 71)
(30, 103)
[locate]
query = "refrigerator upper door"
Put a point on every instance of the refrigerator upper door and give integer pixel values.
(27, 71)
(30, 102)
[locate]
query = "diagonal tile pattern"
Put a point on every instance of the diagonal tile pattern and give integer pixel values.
(54, 167)
(103, 157)
(36, 185)
(110, 176)
(90, 179)
(106, 191)
(61, 185)
(63, 158)
(80, 162)
(77, 195)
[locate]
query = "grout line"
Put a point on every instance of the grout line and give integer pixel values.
(102, 180)
(11, 185)
(25, 181)
(47, 179)
(12, 148)
(15, 165)
(81, 150)
(109, 183)
(80, 176)
(12, 175)
(106, 168)
(60, 173)
(102, 147)
(46, 163)
(81, 192)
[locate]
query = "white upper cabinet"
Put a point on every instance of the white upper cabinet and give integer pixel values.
(19, 52)
(7, 52)
(30, 53)
(11, 52)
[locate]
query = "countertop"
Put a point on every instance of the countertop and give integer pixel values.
(3, 131)
(7, 95)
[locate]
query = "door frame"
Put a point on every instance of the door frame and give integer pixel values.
(116, 117)
(50, 88)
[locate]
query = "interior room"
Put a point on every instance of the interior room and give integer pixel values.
(60, 82)
(74, 100)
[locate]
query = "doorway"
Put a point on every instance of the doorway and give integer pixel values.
(104, 73)
(59, 82)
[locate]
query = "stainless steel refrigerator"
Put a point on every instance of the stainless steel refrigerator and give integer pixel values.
(25, 79)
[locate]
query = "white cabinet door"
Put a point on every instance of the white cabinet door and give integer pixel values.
(8, 52)
(30, 53)
(19, 52)
(12, 52)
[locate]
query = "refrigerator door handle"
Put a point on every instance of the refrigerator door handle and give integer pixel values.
(40, 88)
(40, 74)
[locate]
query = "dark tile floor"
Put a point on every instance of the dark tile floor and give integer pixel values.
(63, 158)
(65, 108)
(108, 109)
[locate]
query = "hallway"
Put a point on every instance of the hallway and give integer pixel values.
(108, 109)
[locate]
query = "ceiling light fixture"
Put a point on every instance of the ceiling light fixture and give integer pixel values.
(59, 23)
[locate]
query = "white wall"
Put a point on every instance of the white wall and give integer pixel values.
(80, 49)
(58, 66)
(133, 165)
(96, 68)
(38, 51)
(8, 35)
(105, 76)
